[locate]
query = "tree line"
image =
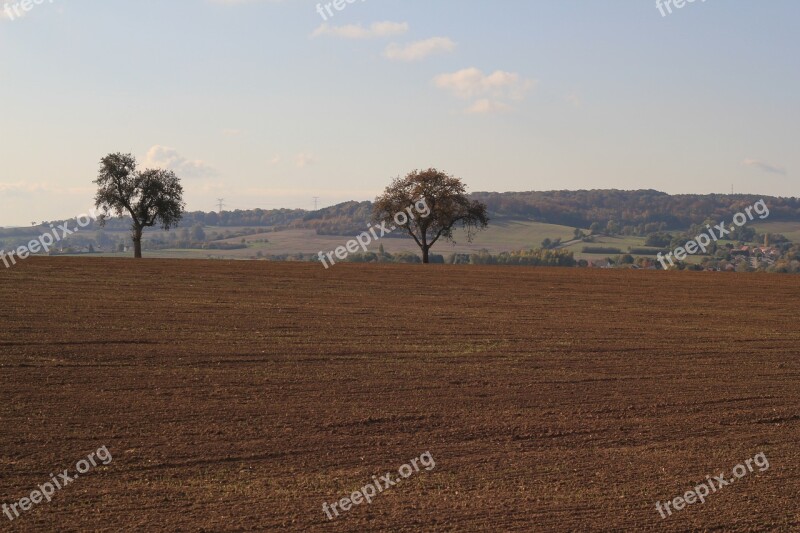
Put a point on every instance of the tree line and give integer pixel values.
(628, 212)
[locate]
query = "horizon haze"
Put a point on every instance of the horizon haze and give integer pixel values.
(265, 104)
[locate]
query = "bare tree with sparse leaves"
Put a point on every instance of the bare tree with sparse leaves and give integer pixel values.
(149, 197)
(446, 197)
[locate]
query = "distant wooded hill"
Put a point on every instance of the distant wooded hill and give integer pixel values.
(634, 209)
(627, 212)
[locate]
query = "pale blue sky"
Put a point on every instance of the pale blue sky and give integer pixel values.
(253, 101)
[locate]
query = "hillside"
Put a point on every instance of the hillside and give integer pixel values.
(633, 212)
(619, 222)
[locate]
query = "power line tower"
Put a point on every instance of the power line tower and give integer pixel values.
(220, 203)
(316, 202)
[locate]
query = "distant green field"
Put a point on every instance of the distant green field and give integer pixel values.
(791, 230)
(499, 237)
(623, 243)
(514, 235)
(502, 235)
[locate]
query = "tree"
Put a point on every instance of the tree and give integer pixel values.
(446, 206)
(549, 244)
(658, 240)
(198, 235)
(184, 238)
(148, 197)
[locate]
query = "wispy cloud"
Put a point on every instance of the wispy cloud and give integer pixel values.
(492, 91)
(304, 159)
(357, 31)
(574, 99)
(471, 82)
(419, 50)
(169, 158)
(765, 166)
(487, 107)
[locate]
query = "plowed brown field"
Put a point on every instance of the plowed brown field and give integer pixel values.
(243, 395)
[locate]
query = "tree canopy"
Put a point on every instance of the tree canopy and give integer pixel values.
(446, 200)
(149, 197)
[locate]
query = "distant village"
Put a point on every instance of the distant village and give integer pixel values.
(731, 258)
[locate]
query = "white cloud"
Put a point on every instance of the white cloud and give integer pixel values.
(471, 82)
(420, 49)
(490, 90)
(487, 107)
(169, 158)
(231, 132)
(574, 98)
(304, 159)
(357, 31)
(765, 166)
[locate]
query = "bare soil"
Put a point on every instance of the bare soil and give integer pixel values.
(240, 396)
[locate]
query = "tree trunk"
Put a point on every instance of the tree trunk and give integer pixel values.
(425, 255)
(137, 243)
